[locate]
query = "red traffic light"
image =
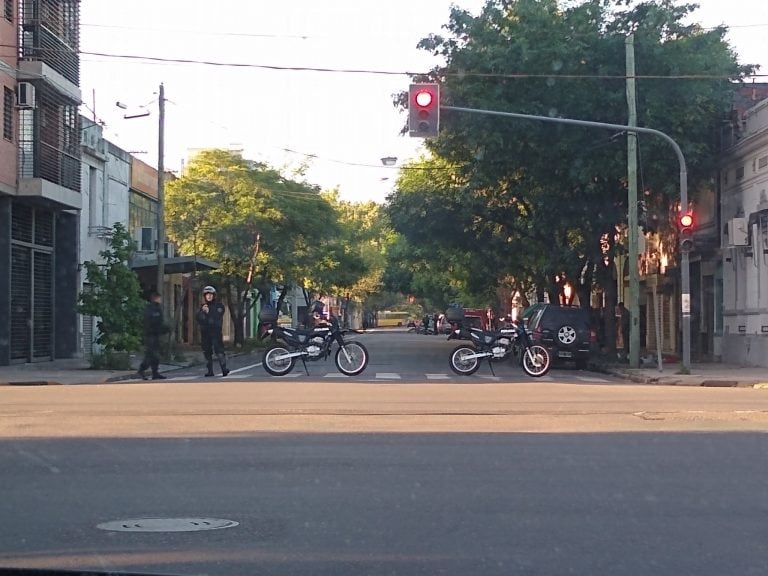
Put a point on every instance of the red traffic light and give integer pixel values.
(686, 221)
(424, 110)
(423, 98)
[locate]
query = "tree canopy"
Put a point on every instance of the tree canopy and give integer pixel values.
(535, 203)
(262, 228)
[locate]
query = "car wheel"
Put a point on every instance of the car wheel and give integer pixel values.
(566, 335)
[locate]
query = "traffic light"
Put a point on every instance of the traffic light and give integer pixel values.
(686, 232)
(423, 110)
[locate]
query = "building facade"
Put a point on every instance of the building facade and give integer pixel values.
(39, 179)
(744, 237)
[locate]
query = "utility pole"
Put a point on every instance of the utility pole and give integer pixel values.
(634, 277)
(161, 193)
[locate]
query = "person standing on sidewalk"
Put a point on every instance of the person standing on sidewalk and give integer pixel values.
(210, 317)
(154, 327)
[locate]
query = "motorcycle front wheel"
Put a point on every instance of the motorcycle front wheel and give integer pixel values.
(351, 358)
(535, 361)
(277, 361)
(461, 364)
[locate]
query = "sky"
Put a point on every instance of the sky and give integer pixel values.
(337, 124)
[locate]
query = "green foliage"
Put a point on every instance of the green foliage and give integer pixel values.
(525, 203)
(114, 296)
(111, 361)
(256, 223)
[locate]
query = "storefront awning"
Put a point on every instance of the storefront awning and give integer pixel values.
(175, 265)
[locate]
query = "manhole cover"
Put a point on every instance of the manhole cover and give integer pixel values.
(167, 524)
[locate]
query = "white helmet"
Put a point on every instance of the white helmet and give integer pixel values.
(209, 290)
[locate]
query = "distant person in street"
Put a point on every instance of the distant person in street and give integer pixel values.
(154, 328)
(315, 317)
(210, 317)
(622, 315)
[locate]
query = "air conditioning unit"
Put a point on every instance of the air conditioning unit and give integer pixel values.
(144, 237)
(169, 249)
(25, 95)
(737, 232)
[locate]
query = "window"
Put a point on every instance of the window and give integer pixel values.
(8, 97)
(9, 10)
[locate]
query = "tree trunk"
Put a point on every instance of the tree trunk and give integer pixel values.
(236, 313)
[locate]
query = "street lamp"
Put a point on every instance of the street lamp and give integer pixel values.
(160, 182)
(389, 160)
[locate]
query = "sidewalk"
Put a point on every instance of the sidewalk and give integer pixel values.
(708, 374)
(78, 371)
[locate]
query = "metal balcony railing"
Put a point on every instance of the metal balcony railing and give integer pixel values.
(50, 33)
(49, 139)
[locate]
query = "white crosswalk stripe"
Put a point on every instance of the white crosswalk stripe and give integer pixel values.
(438, 377)
(591, 379)
(388, 376)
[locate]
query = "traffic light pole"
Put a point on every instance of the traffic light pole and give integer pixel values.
(685, 279)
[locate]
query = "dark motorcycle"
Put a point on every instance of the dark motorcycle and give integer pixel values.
(497, 345)
(309, 344)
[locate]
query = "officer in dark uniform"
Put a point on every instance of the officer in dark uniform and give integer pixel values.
(315, 317)
(210, 317)
(154, 327)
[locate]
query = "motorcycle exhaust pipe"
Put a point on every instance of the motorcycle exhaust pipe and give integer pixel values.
(477, 355)
(291, 355)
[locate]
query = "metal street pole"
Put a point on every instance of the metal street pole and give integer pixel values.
(161, 193)
(634, 276)
(685, 303)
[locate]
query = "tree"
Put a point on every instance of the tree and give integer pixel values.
(261, 227)
(114, 295)
(558, 192)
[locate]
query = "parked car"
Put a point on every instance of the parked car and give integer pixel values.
(565, 331)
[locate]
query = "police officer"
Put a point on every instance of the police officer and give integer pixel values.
(154, 327)
(315, 317)
(210, 317)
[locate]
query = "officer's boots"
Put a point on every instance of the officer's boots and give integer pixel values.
(223, 364)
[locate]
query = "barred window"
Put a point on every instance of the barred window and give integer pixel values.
(8, 98)
(9, 10)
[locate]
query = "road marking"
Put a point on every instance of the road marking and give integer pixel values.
(335, 375)
(244, 368)
(388, 376)
(437, 377)
(591, 379)
(494, 378)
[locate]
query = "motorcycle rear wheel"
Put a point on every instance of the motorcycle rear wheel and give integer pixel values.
(352, 358)
(535, 361)
(460, 364)
(275, 361)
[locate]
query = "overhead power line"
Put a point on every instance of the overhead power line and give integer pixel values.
(407, 73)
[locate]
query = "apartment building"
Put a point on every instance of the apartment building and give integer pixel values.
(40, 177)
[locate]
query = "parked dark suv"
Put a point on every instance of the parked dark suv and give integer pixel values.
(564, 330)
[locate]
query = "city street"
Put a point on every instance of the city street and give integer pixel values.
(385, 475)
(395, 356)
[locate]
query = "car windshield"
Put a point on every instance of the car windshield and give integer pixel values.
(403, 287)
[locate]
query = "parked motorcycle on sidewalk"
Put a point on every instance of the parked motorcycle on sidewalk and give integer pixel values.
(314, 344)
(495, 346)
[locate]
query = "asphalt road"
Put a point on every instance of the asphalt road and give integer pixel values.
(366, 475)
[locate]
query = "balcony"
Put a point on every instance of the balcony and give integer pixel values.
(49, 148)
(50, 34)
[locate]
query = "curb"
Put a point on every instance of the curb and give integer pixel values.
(31, 383)
(673, 380)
